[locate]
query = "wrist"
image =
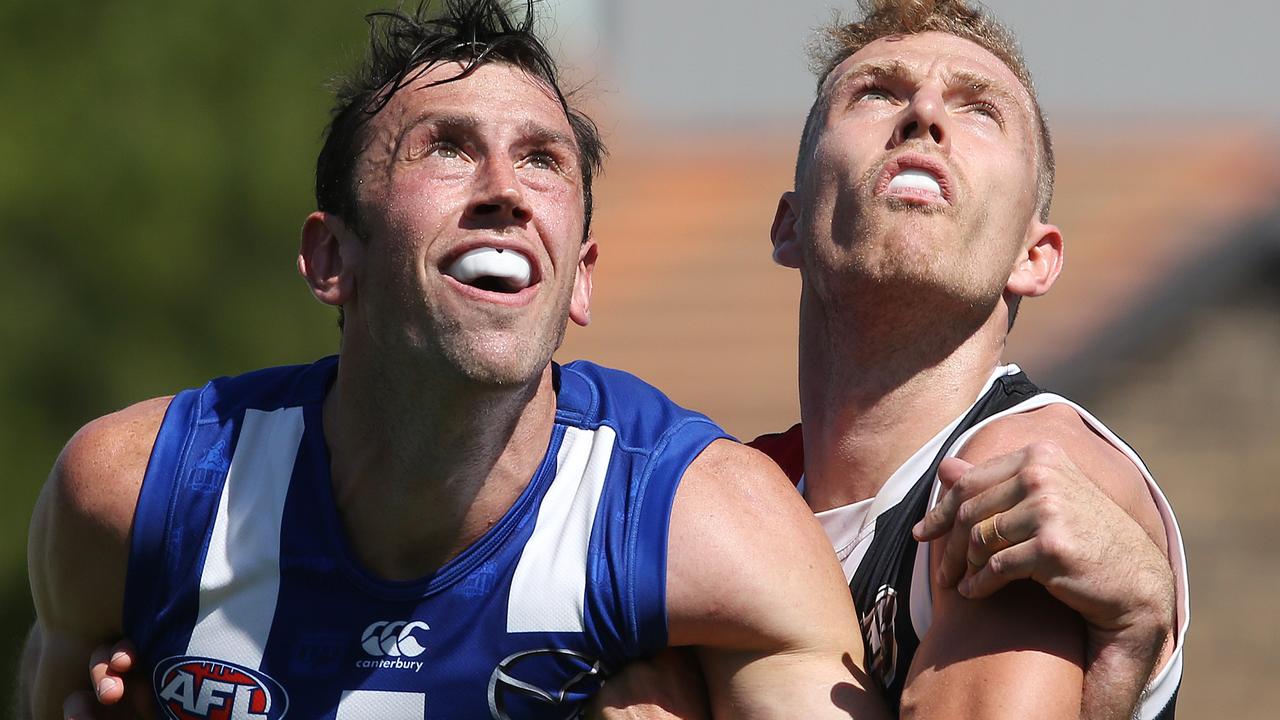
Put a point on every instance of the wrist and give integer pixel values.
(1120, 667)
(1145, 615)
(1138, 638)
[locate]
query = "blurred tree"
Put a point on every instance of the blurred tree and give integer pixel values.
(156, 162)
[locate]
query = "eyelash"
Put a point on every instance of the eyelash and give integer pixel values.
(537, 156)
(442, 145)
(432, 147)
(872, 88)
(545, 157)
(988, 108)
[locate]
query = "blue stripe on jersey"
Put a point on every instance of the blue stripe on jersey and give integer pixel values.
(240, 577)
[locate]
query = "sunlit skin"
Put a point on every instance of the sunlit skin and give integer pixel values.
(907, 290)
(443, 409)
(488, 165)
(902, 288)
(486, 161)
(431, 184)
(936, 102)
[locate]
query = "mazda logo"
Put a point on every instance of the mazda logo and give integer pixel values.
(533, 678)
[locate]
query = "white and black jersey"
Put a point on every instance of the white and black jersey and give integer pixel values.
(888, 571)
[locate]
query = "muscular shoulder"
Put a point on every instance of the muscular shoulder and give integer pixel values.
(1056, 430)
(1056, 422)
(746, 555)
(104, 462)
(79, 536)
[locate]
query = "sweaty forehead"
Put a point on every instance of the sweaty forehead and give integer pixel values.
(495, 92)
(925, 55)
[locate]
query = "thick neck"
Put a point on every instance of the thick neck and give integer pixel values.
(423, 462)
(879, 379)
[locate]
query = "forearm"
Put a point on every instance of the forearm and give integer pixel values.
(1122, 656)
(1118, 671)
(55, 669)
(808, 684)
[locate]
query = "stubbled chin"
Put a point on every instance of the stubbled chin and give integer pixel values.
(500, 358)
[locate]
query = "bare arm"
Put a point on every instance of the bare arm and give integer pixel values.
(78, 551)
(27, 673)
(754, 587)
(1065, 533)
(1092, 547)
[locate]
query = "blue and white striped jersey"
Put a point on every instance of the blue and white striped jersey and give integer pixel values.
(246, 603)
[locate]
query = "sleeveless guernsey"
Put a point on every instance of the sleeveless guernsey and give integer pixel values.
(888, 571)
(246, 603)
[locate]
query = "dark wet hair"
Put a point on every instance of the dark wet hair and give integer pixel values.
(402, 47)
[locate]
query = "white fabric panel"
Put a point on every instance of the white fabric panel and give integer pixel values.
(382, 705)
(851, 528)
(549, 585)
(241, 575)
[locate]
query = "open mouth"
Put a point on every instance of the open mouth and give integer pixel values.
(492, 269)
(916, 180)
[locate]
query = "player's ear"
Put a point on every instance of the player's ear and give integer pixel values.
(326, 258)
(1040, 262)
(786, 240)
(580, 303)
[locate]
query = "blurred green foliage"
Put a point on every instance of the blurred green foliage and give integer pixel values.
(156, 163)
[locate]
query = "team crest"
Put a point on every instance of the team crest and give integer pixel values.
(196, 688)
(878, 632)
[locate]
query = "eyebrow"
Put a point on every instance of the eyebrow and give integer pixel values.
(975, 83)
(979, 84)
(537, 134)
(529, 132)
(878, 69)
(446, 121)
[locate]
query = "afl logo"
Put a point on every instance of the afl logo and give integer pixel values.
(191, 688)
(527, 682)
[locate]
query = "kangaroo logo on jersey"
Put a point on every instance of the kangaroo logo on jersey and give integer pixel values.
(196, 688)
(527, 682)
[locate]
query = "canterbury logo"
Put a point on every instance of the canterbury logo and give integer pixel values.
(393, 639)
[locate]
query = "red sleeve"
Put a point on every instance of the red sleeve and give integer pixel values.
(786, 449)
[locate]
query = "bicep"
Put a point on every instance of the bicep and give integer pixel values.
(754, 584)
(56, 656)
(77, 552)
(1016, 654)
(1019, 652)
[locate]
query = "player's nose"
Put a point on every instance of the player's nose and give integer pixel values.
(925, 117)
(497, 195)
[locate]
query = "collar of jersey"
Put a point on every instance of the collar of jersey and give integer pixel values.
(484, 548)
